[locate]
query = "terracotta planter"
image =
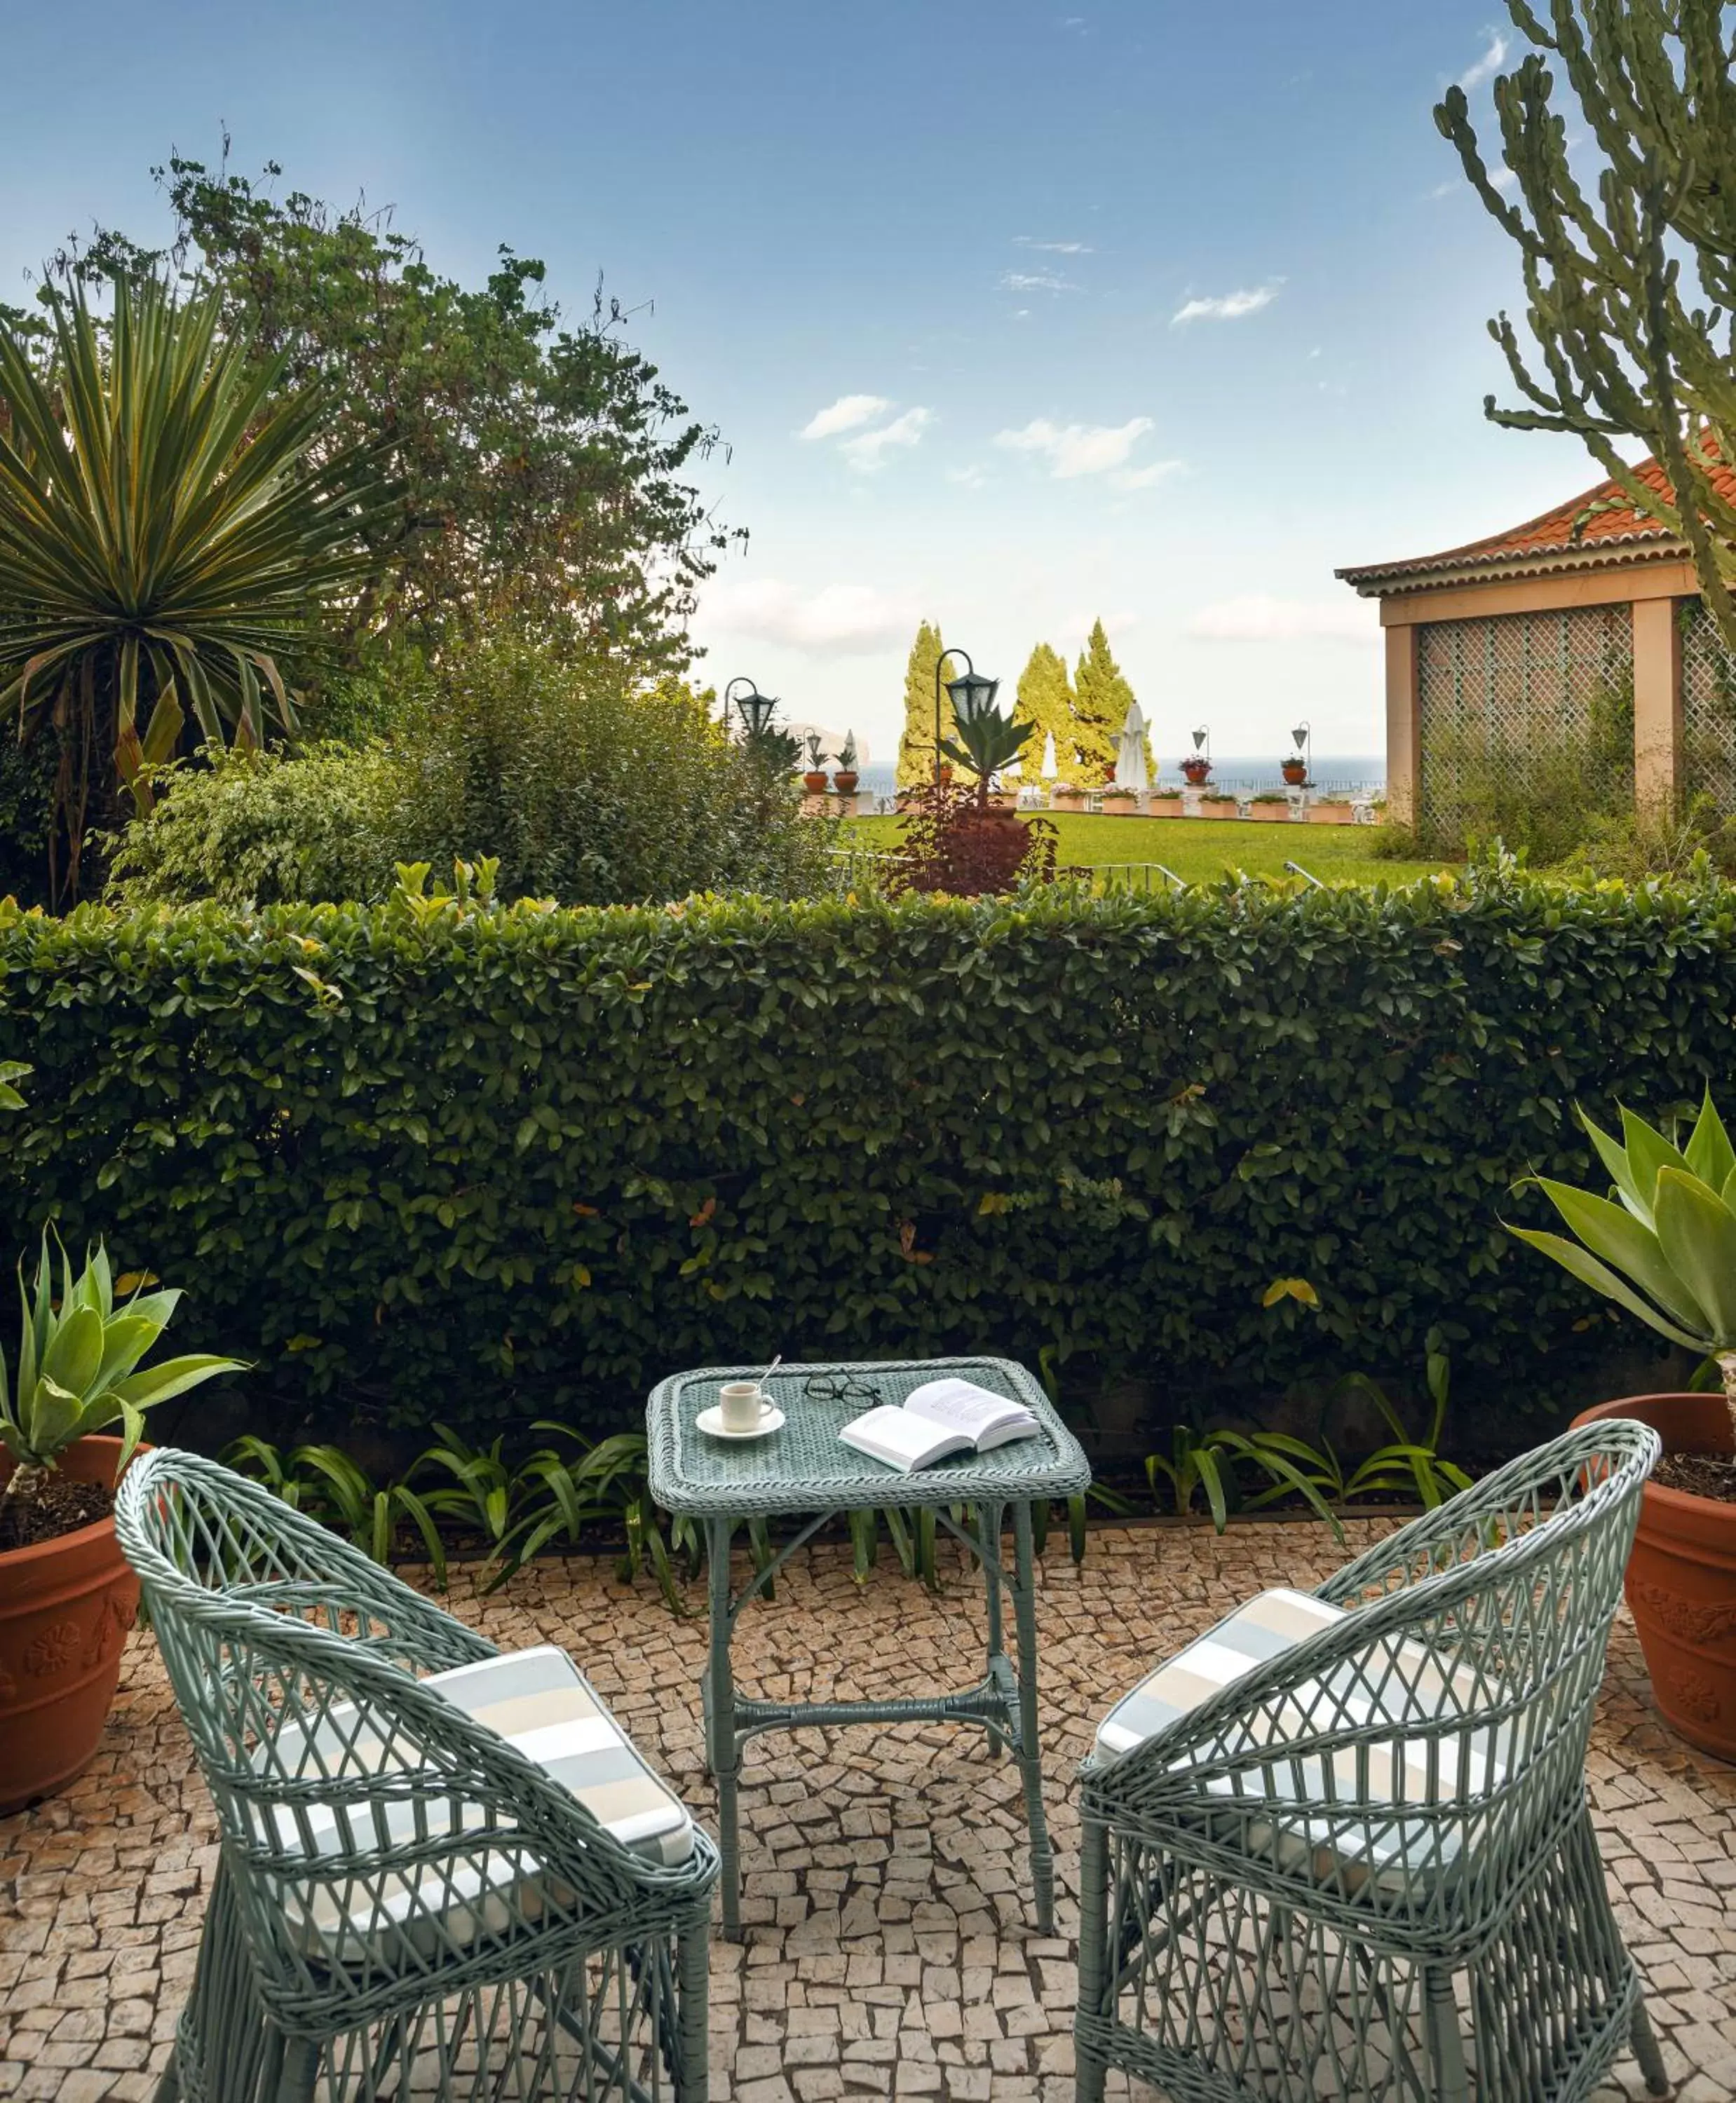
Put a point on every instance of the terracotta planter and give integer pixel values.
(65, 1606)
(1682, 1575)
(1329, 812)
(1295, 771)
(845, 781)
(1067, 799)
(814, 781)
(1121, 806)
(1218, 807)
(1193, 772)
(1004, 799)
(1166, 807)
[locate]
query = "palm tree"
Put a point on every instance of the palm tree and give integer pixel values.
(167, 535)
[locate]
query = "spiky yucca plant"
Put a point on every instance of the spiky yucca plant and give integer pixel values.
(1664, 1245)
(79, 1367)
(167, 530)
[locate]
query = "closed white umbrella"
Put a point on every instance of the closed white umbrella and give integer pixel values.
(1051, 765)
(1130, 754)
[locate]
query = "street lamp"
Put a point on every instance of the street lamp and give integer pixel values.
(1303, 737)
(754, 708)
(972, 695)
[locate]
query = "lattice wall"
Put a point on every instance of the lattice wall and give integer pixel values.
(1708, 708)
(1508, 697)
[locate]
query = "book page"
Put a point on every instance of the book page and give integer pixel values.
(973, 1412)
(901, 1439)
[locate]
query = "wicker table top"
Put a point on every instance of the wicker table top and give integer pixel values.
(805, 1466)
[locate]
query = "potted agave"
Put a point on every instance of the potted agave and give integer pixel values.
(844, 780)
(1663, 1246)
(814, 779)
(67, 1598)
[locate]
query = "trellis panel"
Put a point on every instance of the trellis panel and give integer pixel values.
(1708, 708)
(1500, 693)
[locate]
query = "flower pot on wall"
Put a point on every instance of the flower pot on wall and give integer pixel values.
(1193, 772)
(844, 780)
(1119, 803)
(1330, 810)
(65, 1606)
(814, 781)
(1067, 798)
(1295, 771)
(1166, 807)
(1682, 1575)
(1218, 807)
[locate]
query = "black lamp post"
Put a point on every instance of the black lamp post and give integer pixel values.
(754, 708)
(1303, 737)
(971, 693)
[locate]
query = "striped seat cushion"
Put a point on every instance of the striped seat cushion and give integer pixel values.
(536, 1700)
(1396, 1682)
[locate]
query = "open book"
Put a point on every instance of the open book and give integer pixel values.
(946, 1416)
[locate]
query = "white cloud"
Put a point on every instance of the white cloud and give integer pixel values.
(842, 619)
(1143, 478)
(846, 414)
(868, 449)
(967, 478)
(1225, 306)
(1256, 618)
(1488, 64)
(1503, 178)
(1072, 450)
(1036, 281)
(1053, 247)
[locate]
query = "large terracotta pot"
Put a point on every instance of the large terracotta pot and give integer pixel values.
(1681, 1577)
(65, 1606)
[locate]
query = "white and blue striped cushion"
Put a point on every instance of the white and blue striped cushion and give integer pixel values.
(1394, 1682)
(537, 1700)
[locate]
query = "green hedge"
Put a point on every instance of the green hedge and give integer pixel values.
(477, 1165)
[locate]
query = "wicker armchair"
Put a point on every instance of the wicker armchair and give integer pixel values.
(1364, 1867)
(407, 1902)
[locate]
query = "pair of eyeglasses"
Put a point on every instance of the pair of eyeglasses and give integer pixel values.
(837, 1387)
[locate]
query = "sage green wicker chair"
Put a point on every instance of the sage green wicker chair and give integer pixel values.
(462, 1885)
(1341, 1848)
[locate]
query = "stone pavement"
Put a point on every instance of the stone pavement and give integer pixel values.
(889, 1951)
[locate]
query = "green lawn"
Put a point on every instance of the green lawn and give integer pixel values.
(1198, 849)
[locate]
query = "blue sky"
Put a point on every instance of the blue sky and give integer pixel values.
(1152, 311)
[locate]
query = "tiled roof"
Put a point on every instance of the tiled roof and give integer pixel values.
(1601, 537)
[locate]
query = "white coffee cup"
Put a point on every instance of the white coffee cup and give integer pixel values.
(741, 1405)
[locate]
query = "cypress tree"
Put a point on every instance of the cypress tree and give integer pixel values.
(1103, 700)
(1046, 701)
(916, 745)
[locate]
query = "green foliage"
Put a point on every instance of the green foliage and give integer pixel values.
(1663, 1244)
(78, 1367)
(542, 468)
(1630, 266)
(986, 744)
(536, 1159)
(581, 784)
(1046, 702)
(1633, 845)
(265, 828)
(1102, 698)
(166, 536)
(1217, 1463)
(916, 742)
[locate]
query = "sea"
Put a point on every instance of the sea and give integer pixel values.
(1340, 773)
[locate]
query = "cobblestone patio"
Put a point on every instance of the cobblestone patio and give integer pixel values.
(888, 1951)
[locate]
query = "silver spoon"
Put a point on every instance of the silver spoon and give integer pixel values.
(769, 1371)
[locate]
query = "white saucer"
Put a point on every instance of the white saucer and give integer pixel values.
(710, 1422)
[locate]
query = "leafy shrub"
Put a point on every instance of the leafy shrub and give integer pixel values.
(952, 844)
(260, 828)
(425, 1159)
(585, 787)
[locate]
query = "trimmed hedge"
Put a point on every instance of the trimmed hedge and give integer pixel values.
(478, 1165)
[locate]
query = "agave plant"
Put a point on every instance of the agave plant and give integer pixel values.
(1663, 1245)
(165, 533)
(984, 743)
(79, 1367)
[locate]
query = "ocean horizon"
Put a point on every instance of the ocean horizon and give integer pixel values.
(1344, 772)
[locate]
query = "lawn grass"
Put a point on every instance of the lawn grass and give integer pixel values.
(1198, 849)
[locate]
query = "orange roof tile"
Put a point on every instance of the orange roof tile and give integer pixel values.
(1552, 534)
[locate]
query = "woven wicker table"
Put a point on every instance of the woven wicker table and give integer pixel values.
(804, 1468)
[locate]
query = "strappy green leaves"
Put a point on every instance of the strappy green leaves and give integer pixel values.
(168, 527)
(1665, 1246)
